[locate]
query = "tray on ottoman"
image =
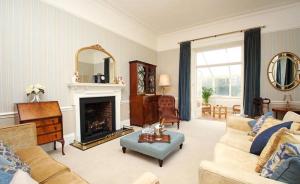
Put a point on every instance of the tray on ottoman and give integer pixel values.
(152, 138)
(156, 150)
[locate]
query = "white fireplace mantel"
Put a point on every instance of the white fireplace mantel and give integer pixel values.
(90, 90)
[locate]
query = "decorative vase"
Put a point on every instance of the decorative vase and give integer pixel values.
(35, 98)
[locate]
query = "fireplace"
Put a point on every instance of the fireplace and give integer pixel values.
(97, 117)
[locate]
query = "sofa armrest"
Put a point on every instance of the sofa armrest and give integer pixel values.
(238, 123)
(19, 136)
(147, 178)
(211, 173)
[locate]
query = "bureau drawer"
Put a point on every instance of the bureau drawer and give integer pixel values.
(46, 122)
(48, 129)
(43, 139)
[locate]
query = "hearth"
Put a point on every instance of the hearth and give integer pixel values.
(97, 117)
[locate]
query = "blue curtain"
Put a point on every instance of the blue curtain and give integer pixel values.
(184, 87)
(252, 56)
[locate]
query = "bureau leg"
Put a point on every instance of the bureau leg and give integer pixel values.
(63, 146)
(180, 146)
(124, 149)
(54, 145)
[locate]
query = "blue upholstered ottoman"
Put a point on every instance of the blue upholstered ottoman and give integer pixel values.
(156, 150)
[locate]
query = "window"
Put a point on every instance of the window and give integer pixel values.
(220, 70)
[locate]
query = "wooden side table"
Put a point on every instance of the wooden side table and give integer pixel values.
(284, 110)
(219, 110)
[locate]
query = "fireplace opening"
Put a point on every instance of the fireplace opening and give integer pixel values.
(97, 117)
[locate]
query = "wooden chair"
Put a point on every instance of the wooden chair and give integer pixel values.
(167, 110)
(236, 109)
(206, 108)
(259, 104)
(219, 110)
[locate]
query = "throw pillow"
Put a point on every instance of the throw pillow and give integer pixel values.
(252, 123)
(8, 157)
(262, 139)
(260, 121)
(269, 122)
(280, 137)
(286, 151)
(22, 177)
(6, 174)
(288, 171)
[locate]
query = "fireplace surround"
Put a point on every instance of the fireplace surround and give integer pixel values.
(93, 91)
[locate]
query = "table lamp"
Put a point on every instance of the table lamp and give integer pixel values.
(164, 81)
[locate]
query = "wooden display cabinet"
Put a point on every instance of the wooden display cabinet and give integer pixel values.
(143, 98)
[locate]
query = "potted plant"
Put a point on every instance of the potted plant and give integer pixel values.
(206, 93)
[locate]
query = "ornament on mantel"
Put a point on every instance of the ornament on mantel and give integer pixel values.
(75, 77)
(33, 92)
(120, 80)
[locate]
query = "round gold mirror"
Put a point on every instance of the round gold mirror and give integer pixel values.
(283, 71)
(95, 65)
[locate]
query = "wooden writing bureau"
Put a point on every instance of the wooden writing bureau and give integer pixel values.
(48, 119)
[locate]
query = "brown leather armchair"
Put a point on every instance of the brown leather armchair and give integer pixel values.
(167, 110)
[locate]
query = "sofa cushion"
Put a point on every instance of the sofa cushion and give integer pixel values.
(229, 156)
(32, 154)
(280, 137)
(262, 139)
(288, 171)
(237, 139)
(65, 177)
(42, 166)
(286, 151)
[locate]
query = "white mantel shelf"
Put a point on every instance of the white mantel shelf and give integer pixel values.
(95, 85)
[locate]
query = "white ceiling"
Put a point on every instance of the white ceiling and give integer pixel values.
(164, 16)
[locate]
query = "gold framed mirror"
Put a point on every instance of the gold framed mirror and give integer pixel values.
(284, 70)
(95, 65)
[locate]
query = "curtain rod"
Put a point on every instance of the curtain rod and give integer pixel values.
(222, 34)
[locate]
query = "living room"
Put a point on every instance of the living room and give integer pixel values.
(148, 57)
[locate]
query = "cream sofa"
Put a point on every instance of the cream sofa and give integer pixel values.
(233, 164)
(44, 169)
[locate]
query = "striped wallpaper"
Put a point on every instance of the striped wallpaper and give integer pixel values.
(38, 45)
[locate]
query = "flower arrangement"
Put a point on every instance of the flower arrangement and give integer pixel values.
(35, 91)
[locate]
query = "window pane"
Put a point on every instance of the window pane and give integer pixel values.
(236, 86)
(235, 70)
(200, 60)
(204, 79)
(222, 86)
(234, 54)
(220, 71)
(219, 56)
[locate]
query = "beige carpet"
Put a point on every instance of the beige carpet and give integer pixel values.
(106, 164)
